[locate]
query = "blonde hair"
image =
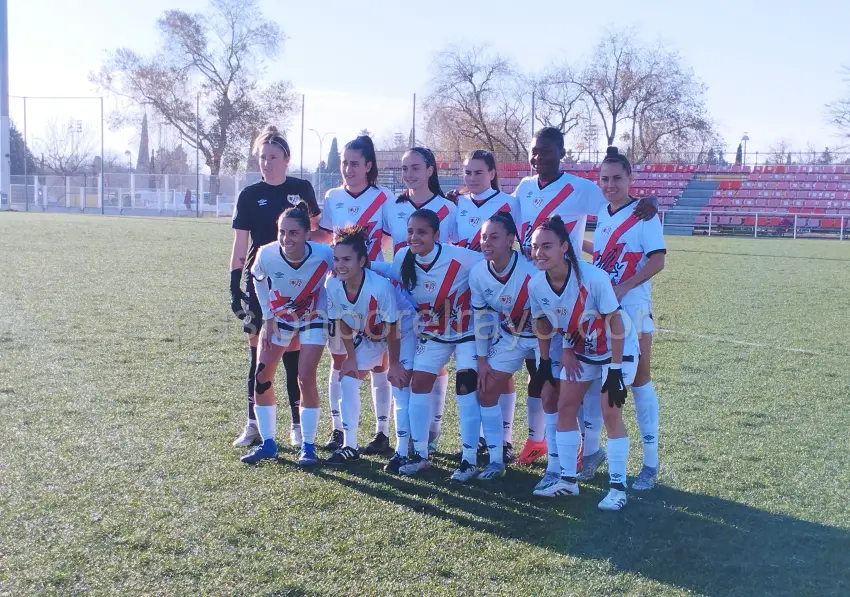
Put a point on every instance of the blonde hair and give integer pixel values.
(271, 136)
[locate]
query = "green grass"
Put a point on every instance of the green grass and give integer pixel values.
(121, 388)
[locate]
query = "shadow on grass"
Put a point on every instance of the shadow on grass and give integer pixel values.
(706, 544)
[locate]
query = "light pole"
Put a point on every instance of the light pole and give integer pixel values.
(321, 153)
(744, 140)
(129, 157)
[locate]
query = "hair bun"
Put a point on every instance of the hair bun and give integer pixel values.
(271, 130)
(612, 152)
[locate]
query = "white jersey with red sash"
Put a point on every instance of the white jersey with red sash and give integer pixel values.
(374, 305)
(578, 311)
(398, 211)
(474, 210)
(293, 293)
(622, 244)
(506, 294)
(442, 295)
(568, 196)
(366, 209)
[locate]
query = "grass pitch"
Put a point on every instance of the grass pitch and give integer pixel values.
(122, 386)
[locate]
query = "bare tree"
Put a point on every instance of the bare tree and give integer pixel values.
(559, 101)
(778, 151)
(838, 112)
(217, 57)
(64, 150)
(482, 98)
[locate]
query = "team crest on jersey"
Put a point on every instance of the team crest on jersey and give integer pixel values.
(420, 348)
(507, 300)
(354, 210)
(296, 282)
(491, 352)
(293, 199)
(560, 311)
(606, 231)
(429, 286)
(475, 221)
(538, 201)
(261, 202)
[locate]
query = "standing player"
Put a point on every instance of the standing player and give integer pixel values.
(482, 200)
(436, 275)
(552, 192)
(370, 322)
(574, 298)
(359, 202)
(419, 170)
(289, 277)
(631, 251)
(500, 288)
(255, 224)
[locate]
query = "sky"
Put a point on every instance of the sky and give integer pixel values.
(770, 66)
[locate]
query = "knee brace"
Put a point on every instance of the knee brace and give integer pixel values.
(466, 381)
(261, 386)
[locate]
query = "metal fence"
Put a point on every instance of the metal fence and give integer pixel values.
(757, 224)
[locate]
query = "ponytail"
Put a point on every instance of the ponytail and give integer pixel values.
(505, 220)
(299, 212)
(366, 147)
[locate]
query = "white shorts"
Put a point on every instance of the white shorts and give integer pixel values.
(640, 315)
(335, 344)
(592, 371)
(313, 335)
(508, 353)
(431, 356)
(556, 347)
(371, 354)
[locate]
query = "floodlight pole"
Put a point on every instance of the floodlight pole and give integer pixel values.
(5, 147)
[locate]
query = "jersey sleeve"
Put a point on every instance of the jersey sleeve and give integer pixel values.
(330, 291)
(383, 269)
(468, 257)
(450, 224)
(385, 210)
(396, 264)
(326, 221)
(534, 302)
(590, 199)
(652, 237)
(600, 287)
(308, 194)
(261, 285)
(242, 211)
(477, 293)
(387, 302)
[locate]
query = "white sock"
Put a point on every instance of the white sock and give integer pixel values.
(646, 411)
(402, 420)
(492, 419)
(618, 458)
(438, 402)
(382, 399)
(536, 420)
(469, 414)
(334, 395)
(507, 404)
(309, 424)
(590, 417)
(568, 445)
(350, 408)
(420, 419)
(266, 420)
(553, 464)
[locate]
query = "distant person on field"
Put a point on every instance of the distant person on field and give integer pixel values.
(188, 199)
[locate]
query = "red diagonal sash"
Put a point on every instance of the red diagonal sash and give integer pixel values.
(375, 235)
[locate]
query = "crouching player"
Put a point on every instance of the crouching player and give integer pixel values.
(289, 277)
(369, 318)
(575, 298)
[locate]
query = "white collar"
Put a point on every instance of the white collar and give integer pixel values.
(430, 256)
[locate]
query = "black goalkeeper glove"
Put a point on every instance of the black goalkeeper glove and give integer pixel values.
(544, 371)
(615, 387)
(237, 295)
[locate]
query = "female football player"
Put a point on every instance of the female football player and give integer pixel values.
(574, 298)
(289, 277)
(482, 200)
(370, 320)
(631, 251)
(436, 275)
(360, 201)
(500, 287)
(255, 224)
(419, 171)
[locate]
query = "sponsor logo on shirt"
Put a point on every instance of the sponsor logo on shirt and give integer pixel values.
(545, 301)
(402, 215)
(529, 194)
(279, 275)
(488, 292)
(507, 300)
(296, 282)
(430, 286)
(354, 210)
(340, 205)
(463, 212)
(261, 202)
